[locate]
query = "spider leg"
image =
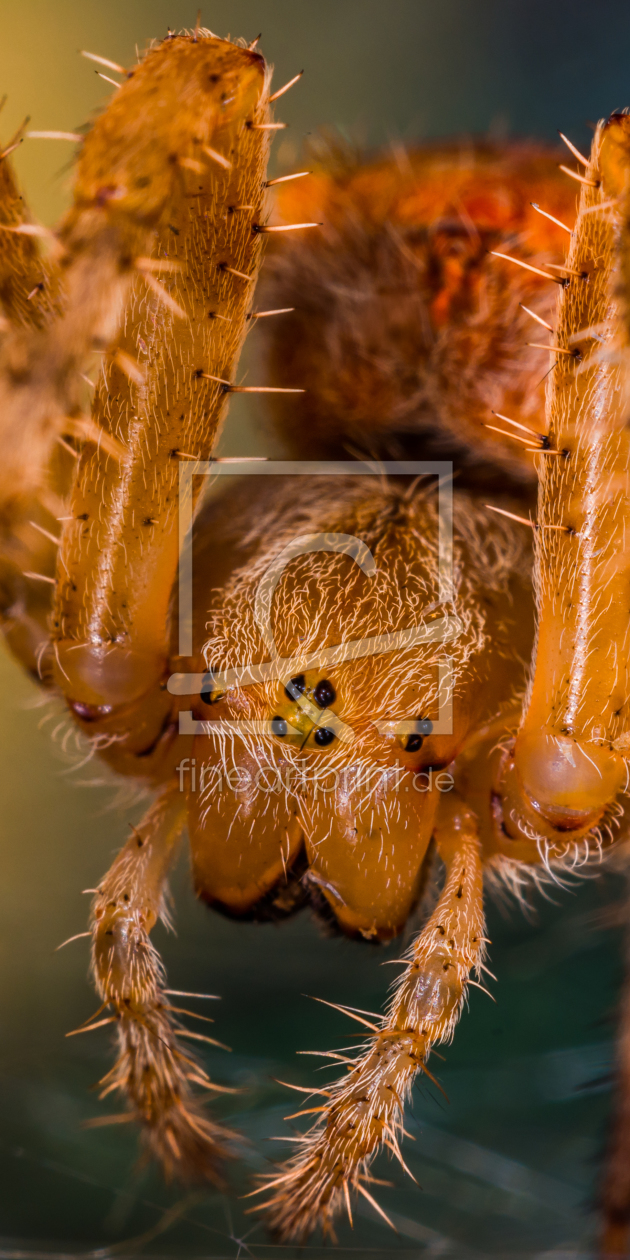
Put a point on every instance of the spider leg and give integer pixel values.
(28, 297)
(153, 1069)
(163, 390)
(570, 752)
(365, 1108)
(28, 280)
(44, 350)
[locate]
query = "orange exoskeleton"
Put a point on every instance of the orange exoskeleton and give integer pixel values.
(341, 694)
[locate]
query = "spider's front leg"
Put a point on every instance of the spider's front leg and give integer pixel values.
(364, 1109)
(569, 761)
(153, 1071)
(163, 392)
(557, 789)
(203, 135)
(135, 167)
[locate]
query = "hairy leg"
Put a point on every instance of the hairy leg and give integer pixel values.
(152, 1070)
(163, 393)
(28, 529)
(170, 183)
(364, 1109)
(570, 753)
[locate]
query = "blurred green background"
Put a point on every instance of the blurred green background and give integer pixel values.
(509, 1166)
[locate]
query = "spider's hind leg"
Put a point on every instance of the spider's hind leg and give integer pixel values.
(153, 1070)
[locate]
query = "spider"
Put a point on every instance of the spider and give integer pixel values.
(368, 683)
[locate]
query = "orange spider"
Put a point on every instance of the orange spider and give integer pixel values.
(336, 692)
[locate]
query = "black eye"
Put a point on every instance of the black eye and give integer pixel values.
(207, 694)
(278, 726)
(324, 736)
(298, 684)
(324, 694)
(424, 727)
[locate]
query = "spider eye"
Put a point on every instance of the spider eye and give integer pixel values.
(278, 726)
(298, 684)
(207, 694)
(414, 742)
(324, 694)
(323, 735)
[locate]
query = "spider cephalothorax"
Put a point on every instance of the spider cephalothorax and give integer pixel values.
(353, 788)
(324, 699)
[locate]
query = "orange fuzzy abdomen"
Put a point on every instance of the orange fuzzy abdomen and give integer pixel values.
(406, 329)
